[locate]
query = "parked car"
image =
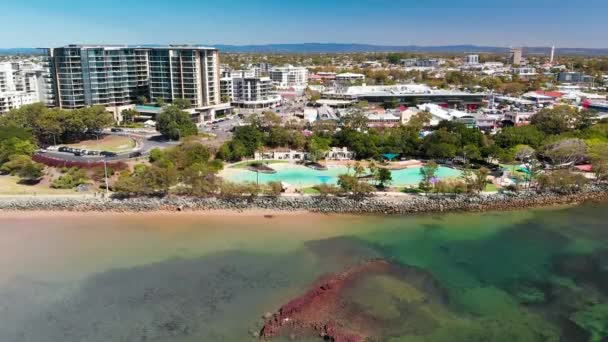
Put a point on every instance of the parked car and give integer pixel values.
(63, 149)
(107, 154)
(92, 153)
(135, 154)
(116, 130)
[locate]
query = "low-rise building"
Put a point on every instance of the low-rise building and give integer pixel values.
(471, 59)
(289, 76)
(407, 95)
(22, 83)
(340, 153)
(254, 93)
(349, 77)
(574, 78)
(15, 99)
(280, 154)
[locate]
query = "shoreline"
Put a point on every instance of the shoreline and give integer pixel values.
(297, 205)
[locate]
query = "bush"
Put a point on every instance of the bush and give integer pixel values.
(451, 186)
(328, 189)
(73, 178)
(234, 190)
(274, 189)
(60, 164)
(15, 163)
(561, 181)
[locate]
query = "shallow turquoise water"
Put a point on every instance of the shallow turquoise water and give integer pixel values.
(535, 275)
(304, 176)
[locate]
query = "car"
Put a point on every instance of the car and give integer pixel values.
(116, 130)
(78, 153)
(107, 154)
(135, 154)
(63, 149)
(92, 153)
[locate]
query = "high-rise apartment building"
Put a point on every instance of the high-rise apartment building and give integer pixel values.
(516, 56)
(185, 72)
(110, 76)
(115, 76)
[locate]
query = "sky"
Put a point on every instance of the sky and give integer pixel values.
(47, 23)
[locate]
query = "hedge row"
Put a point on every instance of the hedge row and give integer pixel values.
(59, 163)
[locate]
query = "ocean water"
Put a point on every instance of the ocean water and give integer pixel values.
(535, 275)
(301, 176)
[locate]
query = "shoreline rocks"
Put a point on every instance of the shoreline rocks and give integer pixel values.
(316, 204)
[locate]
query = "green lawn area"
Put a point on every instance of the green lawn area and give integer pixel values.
(491, 188)
(9, 186)
(310, 191)
(513, 168)
(409, 190)
(112, 143)
(244, 164)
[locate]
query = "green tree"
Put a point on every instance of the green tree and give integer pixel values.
(556, 120)
(175, 124)
(356, 120)
(31, 173)
(182, 103)
(566, 151)
(384, 177)
(15, 146)
(142, 100)
(129, 115)
(597, 150)
(317, 147)
(428, 172)
(522, 135)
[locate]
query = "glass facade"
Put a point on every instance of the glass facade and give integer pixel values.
(116, 76)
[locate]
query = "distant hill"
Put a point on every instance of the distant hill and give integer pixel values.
(352, 48)
(20, 51)
(344, 48)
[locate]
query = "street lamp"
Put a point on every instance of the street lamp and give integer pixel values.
(105, 167)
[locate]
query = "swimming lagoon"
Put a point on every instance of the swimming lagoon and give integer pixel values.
(302, 176)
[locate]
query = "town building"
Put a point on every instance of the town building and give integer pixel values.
(116, 76)
(471, 59)
(422, 62)
(516, 56)
(574, 78)
(289, 76)
(186, 72)
(439, 113)
(254, 93)
(15, 99)
(22, 83)
(349, 77)
(407, 95)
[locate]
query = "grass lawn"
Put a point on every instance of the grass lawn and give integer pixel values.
(244, 164)
(9, 186)
(409, 190)
(513, 168)
(112, 143)
(310, 191)
(491, 188)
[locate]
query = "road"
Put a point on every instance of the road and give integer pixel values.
(146, 141)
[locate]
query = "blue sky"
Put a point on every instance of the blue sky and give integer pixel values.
(565, 23)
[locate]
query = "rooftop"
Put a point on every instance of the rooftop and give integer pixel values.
(143, 47)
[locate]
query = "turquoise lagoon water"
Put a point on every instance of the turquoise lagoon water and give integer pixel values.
(303, 176)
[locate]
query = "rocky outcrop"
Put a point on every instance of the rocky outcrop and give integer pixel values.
(372, 205)
(315, 309)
